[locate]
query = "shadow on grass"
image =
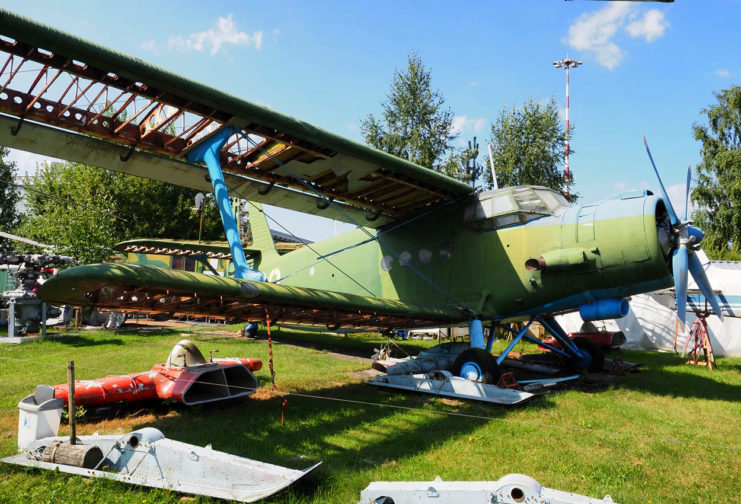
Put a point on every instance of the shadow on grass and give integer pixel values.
(678, 384)
(352, 427)
(352, 345)
(665, 374)
(85, 341)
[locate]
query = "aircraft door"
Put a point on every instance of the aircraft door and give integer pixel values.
(585, 224)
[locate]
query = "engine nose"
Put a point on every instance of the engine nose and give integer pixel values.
(635, 241)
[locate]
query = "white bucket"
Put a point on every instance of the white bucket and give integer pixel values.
(38, 416)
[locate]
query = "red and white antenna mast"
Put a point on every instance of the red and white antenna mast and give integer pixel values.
(566, 63)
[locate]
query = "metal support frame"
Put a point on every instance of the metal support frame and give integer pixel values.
(208, 152)
(11, 317)
(571, 351)
(552, 326)
(516, 340)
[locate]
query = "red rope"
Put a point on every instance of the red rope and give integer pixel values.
(270, 351)
(272, 370)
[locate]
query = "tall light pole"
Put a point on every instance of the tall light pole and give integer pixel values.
(566, 63)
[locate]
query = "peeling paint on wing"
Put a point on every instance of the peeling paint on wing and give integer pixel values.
(405, 258)
(425, 255)
(387, 263)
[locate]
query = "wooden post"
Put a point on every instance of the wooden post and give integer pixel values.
(71, 402)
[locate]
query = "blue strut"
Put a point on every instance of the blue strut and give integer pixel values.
(208, 152)
(476, 334)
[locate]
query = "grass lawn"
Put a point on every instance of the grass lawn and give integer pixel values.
(669, 434)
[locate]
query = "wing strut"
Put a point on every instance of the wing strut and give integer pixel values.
(208, 152)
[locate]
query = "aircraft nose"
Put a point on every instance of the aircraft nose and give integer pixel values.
(634, 238)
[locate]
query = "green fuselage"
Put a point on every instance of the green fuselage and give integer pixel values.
(608, 250)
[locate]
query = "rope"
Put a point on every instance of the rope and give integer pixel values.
(270, 350)
(545, 426)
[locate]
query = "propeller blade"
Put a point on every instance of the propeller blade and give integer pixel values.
(687, 196)
(701, 279)
(680, 266)
(667, 201)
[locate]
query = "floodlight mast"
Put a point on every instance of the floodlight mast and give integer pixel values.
(566, 63)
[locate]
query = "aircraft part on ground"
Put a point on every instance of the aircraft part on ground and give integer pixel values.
(23, 311)
(440, 356)
(510, 489)
(186, 378)
(443, 383)
(143, 288)
(178, 112)
(146, 457)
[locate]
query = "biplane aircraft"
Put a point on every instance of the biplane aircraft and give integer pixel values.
(427, 250)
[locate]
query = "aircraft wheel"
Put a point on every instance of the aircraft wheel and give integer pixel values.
(476, 364)
(594, 357)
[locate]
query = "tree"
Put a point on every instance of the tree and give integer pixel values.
(9, 197)
(528, 145)
(84, 210)
(416, 125)
(718, 190)
(464, 165)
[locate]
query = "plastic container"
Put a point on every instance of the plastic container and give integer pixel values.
(38, 416)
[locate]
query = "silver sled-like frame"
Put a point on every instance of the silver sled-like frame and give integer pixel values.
(146, 457)
(510, 489)
(443, 383)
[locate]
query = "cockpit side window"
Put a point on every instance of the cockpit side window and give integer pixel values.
(511, 206)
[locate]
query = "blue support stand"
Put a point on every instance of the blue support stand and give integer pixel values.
(208, 152)
(476, 334)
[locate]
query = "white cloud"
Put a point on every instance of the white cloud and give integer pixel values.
(619, 186)
(722, 72)
(651, 26)
(26, 163)
(225, 32)
(463, 123)
(149, 45)
(595, 32)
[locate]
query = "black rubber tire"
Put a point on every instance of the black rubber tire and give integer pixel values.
(598, 355)
(483, 359)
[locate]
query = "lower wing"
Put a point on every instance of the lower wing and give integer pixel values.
(138, 288)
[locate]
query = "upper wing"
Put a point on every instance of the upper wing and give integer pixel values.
(144, 288)
(93, 105)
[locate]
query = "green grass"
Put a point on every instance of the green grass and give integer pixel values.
(668, 434)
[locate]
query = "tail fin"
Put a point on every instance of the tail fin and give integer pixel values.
(262, 239)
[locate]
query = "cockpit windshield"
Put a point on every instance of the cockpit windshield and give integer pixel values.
(512, 205)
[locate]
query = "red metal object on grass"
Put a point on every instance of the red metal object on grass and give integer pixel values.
(605, 339)
(186, 377)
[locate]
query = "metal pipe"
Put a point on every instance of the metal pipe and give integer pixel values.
(516, 340)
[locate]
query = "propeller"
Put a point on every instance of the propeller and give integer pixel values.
(687, 239)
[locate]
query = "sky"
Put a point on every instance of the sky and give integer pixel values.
(649, 68)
